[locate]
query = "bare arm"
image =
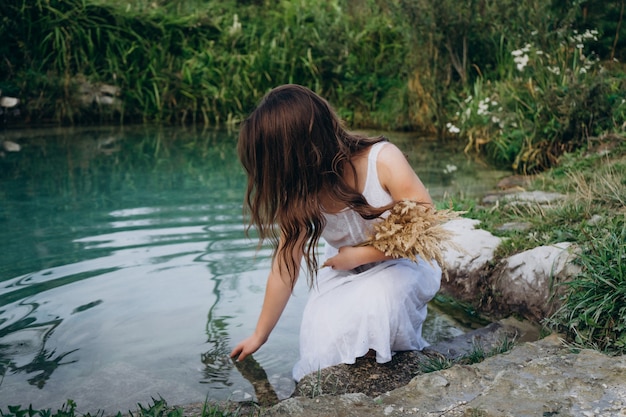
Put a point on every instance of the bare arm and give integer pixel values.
(397, 176)
(400, 180)
(277, 293)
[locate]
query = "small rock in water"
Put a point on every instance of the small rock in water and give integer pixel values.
(11, 146)
(8, 102)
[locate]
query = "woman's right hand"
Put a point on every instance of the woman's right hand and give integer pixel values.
(277, 293)
(247, 347)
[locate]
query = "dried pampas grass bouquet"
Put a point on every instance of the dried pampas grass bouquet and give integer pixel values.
(413, 230)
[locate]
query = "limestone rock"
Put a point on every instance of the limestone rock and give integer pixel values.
(478, 247)
(8, 102)
(526, 281)
(515, 181)
(516, 226)
(540, 197)
(464, 280)
(524, 284)
(534, 379)
(371, 378)
(97, 93)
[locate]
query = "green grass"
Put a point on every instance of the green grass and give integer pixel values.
(157, 408)
(435, 364)
(476, 355)
(593, 312)
(595, 192)
(593, 217)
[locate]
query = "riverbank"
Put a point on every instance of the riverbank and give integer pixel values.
(579, 369)
(546, 378)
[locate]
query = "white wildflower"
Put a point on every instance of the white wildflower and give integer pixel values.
(236, 27)
(590, 34)
(449, 169)
(554, 70)
(483, 108)
(521, 62)
(452, 128)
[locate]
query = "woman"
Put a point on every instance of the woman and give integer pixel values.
(308, 179)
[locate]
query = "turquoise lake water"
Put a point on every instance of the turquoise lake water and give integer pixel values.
(125, 273)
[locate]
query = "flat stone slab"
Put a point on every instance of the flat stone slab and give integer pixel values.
(371, 378)
(539, 197)
(542, 378)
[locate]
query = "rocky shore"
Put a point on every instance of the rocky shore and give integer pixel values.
(541, 378)
(536, 377)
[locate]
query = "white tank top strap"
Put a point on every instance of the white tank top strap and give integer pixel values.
(373, 190)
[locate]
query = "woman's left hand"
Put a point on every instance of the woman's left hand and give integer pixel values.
(349, 257)
(346, 259)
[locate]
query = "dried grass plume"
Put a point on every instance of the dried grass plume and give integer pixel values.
(413, 230)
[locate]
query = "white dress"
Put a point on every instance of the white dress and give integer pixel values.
(379, 306)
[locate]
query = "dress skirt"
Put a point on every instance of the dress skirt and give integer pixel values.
(380, 306)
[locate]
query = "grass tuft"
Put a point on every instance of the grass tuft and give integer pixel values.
(593, 312)
(158, 408)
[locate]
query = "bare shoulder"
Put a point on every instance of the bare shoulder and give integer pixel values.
(398, 177)
(390, 156)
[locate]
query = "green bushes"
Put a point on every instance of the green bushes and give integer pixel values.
(521, 82)
(208, 66)
(56, 48)
(551, 103)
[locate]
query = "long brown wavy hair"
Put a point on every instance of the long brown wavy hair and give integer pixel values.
(294, 147)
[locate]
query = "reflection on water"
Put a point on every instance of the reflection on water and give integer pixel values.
(125, 273)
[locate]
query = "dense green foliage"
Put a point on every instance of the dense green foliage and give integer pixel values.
(522, 82)
(210, 65)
